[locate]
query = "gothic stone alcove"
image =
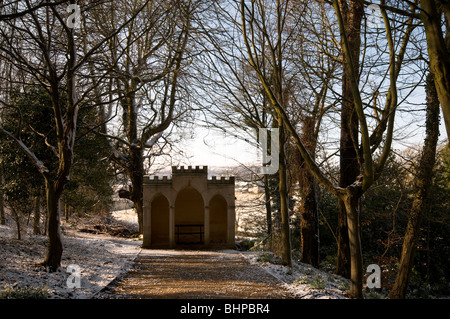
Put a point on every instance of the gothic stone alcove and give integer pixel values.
(188, 209)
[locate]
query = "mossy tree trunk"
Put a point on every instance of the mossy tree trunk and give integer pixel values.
(423, 182)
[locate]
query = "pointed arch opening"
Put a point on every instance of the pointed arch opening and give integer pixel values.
(189, 216)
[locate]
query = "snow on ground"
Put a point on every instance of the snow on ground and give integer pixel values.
(95, 259)
(250, 213)
(302, 280)
(126, 215)
(99, 258)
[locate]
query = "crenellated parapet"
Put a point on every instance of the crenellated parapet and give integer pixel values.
(214, 180)
(185, 172)
(157, 180)
(190, 170)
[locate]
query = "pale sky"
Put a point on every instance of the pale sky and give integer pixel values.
(220, 149)
(213, 149)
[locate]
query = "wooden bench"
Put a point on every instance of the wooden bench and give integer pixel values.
(180, 227)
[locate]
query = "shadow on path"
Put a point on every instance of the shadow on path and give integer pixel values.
(176, 274)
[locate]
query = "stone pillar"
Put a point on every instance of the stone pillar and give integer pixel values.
(206, 227)
(172, 226)
(147, 231)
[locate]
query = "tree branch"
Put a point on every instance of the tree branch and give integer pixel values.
(39, 164)
(42, 4)
(315, 170)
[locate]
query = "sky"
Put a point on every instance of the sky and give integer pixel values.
(219, 149)
(214, 149)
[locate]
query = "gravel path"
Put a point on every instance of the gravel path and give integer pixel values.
(190, 274)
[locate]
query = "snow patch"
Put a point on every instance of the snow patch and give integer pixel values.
(100, 259)
(302, 280)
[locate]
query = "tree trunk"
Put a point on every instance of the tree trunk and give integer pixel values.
(136, 175)
(17, 220)
(2, 210)
(439, 55)
(423, 181)
(54, 247)
(66, 211)
(343, 249)
(268, 204)
(2, 205)
(309, 225)
(348, 163)
(139, 207)
(284, 203)
(351, 202)
(37, 214)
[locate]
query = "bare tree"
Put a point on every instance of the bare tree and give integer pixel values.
(32, 6)
(423, 182)
(230, 95)
(312, 53)
(267, 34)
(370, 166)
(352, 14)
(298, 59)
(274, 37)
(147, 69)
(46, 49)
(431, 14)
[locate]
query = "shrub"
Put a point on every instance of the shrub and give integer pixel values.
(24, 293)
